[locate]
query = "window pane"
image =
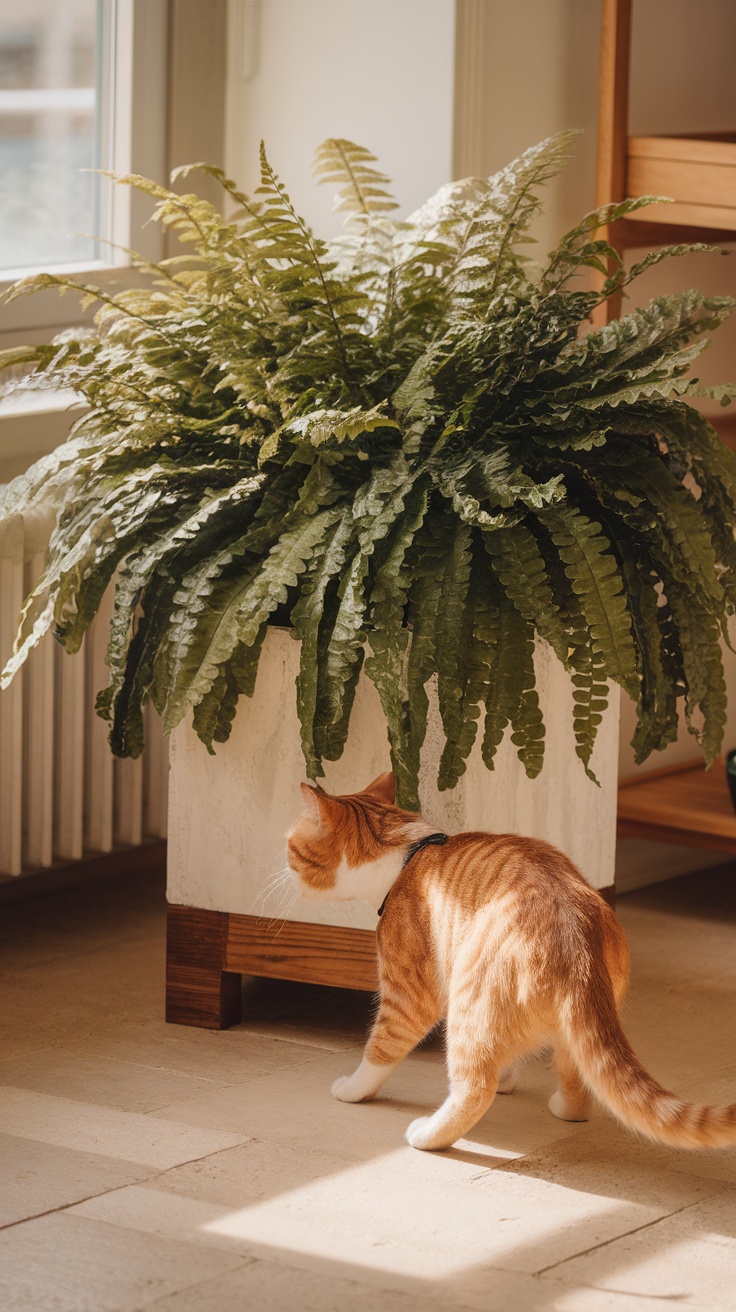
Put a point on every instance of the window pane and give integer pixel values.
(49, 132)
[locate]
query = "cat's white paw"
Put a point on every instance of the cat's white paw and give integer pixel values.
(507, 1081)
(346, 1089)
(562, 1111)
(423, 1134)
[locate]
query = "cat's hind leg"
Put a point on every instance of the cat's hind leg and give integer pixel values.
(466, 1102)
(570, 1101)
(507, 1079)
(478, 1049)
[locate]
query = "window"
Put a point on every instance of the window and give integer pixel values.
(128, 85)
(50, 121)
(82, 88)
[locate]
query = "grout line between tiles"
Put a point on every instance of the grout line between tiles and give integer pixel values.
(198, 1284)
(637, 1229)
(143, 1181)
(63, 1207)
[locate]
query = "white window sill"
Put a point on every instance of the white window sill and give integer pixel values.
(31, 425)
(36, 403)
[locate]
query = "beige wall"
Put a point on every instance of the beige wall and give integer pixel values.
(378, 72)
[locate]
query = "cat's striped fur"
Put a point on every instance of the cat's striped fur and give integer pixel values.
(503, 938)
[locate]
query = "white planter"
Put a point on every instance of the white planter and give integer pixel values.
(228, 813)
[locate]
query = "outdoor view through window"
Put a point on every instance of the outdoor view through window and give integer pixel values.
(49, 132)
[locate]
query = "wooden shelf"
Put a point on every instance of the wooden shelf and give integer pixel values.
(683, 805)
(696, 169)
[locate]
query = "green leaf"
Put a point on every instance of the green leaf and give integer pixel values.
(477, 651)
(511, 698)
(361, 188)
(519, 565)
(237, 609)
(595, 578)
(705, 700)
(387, 664)
(307, 617)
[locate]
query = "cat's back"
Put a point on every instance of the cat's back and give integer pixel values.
(506, 876)
(500, 897)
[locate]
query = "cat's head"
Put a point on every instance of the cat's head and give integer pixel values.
(337, 837)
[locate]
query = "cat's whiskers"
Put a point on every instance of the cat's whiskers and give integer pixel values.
(286, 899)
(272, 886)
(284, 914)
(276, 881)
(281, 890)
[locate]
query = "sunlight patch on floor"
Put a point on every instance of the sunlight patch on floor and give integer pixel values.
(397, 1223)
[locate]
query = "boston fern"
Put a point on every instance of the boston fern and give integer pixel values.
(402, 444)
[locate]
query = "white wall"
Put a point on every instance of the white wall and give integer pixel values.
(541, 76)
(379, 72)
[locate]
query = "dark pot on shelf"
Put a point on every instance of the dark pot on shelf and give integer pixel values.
(731, 776)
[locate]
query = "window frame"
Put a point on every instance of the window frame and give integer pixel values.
(168, 107)
(134, 132)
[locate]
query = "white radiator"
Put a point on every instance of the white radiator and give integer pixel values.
(63, 796)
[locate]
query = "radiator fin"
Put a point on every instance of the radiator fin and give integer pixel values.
(63, 796)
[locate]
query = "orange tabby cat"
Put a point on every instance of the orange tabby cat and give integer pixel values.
(502, 937)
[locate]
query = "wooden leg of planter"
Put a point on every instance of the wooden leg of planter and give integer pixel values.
(199, 991)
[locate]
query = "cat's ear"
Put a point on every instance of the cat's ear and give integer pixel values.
(383, 788)
(311, 805)
(318, 804)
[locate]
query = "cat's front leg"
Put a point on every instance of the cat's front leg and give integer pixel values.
(364, 1082)
(401, 1023)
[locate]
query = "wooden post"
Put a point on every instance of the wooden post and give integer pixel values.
(208, 951)
(613, 119)
(613, 101)
(198, 990)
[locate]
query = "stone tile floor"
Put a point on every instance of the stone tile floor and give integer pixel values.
(152, 1166)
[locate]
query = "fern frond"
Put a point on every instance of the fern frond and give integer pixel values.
(476, 646)
(511, 698)
(307, 617)
(519, 566)
(361, 188)
(387, 664)
(579, 248)
(470, 229)
(236, 610)
(595, 578)
(705, 697)
(403, 438)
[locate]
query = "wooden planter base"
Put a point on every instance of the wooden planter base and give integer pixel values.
(208, 951)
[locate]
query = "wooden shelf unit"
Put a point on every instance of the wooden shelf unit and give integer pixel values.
(686, 804)
(697, 169)
(683, 804)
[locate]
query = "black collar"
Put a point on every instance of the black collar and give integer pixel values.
(438, 840)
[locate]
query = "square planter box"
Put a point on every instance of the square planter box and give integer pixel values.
(228, 815)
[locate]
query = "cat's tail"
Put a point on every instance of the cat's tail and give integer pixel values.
(611, 1069)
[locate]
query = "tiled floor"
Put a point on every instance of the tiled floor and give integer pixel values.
(153, 1166)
